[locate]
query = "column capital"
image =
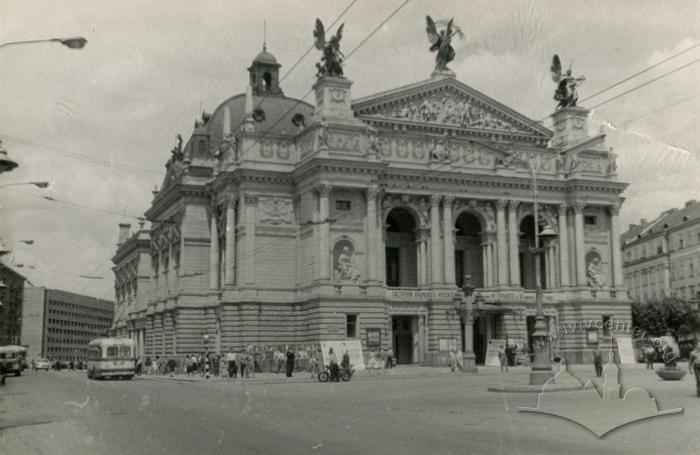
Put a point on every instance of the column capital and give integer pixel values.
(323, 189)
(614, 209)
(513, 204)
(562, 208)
(501, 204)
(250, 199)
(231, 199)
(578, 206)
(371, 193)
(447, 201)
(435, 200)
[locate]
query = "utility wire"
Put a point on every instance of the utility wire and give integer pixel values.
(645, 83)
(75, 204)
(640, 72)
(668, 106)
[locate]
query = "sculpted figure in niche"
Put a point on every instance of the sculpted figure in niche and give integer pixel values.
(596, 277)
(345, 269)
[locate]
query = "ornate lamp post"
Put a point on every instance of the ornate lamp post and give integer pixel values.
(541, 370)
(464, 306)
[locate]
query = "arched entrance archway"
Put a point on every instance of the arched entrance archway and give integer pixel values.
(401, 251)
(527, 258)
(468, 254)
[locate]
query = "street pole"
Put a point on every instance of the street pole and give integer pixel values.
(541, 370)
(466, 315)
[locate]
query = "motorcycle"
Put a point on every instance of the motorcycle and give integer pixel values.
(345, 374)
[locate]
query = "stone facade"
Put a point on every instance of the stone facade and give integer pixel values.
(662, 257)
(280, 222)
(11, 305)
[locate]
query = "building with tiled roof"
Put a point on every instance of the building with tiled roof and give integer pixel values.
(662, 257)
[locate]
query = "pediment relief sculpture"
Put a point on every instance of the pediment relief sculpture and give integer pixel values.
(447, 109)
(418, 204)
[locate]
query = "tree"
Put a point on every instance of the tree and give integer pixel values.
(671, 315)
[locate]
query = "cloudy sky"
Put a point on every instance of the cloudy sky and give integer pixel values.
(99, 123)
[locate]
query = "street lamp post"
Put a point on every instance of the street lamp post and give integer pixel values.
(464, 306)
(541, 370)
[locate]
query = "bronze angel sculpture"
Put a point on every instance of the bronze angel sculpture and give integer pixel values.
(566, 92)
(440, 41)
(332, 58)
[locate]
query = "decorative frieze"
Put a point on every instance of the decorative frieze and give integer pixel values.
(283, 150)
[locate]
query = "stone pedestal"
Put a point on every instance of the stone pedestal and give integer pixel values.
(333, 99)
(570, 127)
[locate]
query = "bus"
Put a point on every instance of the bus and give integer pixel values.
(111, 357)
(12, 359)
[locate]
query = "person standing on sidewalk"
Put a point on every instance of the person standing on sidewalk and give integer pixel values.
(598, 363)
(649, 354)
(503, 359)
(290, 361)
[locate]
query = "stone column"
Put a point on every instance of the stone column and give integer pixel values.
(436, 266)
(251, 204)
(448, 242)
(513, 243)
(371, 194)
(424, 260)
(484, 261)
(581, 277)
(501, 248)
(564, 246)
(618, 276)
(324, 190)
(213, 251)
(419, 264)
(230, 241)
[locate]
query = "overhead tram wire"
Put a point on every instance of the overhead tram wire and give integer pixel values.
(668, 106)
(75, 204)
(85, 158)
(299, 60)
(641, 72)
(620, 95)
(299, 101)
(308, 93)
(148, 172)
(632, 76)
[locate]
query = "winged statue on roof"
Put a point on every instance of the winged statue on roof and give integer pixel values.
(440, 35)
(331, 63)
(566, 92)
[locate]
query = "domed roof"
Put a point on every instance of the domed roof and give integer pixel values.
(275, 115)
(265, 57)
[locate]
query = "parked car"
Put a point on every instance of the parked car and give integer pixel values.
(42, 364)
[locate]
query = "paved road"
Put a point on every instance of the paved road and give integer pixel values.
(64, 413)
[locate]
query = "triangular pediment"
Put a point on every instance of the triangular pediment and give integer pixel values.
(446, 101)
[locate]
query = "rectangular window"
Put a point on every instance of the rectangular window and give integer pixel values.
(350, 326)
(343, 206)
(659, 249)
(590, 220)
(112, 351)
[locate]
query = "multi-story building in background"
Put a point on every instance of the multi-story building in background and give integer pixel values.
(279, 221)
(58, 324)
(662, 257)
(11, 292)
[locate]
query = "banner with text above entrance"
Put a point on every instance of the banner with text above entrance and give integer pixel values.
(353, 348)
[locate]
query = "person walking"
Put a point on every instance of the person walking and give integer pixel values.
(598, 363)
(290, 361)
(503, 359)
(694, 367)
(333, 363)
